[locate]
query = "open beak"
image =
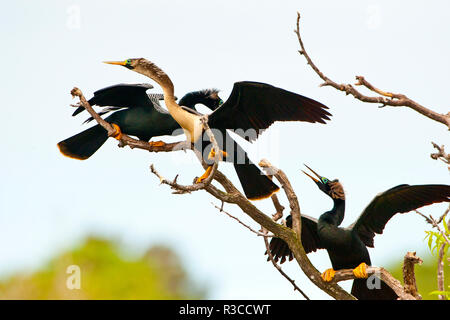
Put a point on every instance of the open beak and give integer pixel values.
(318, 176)
(119, 63)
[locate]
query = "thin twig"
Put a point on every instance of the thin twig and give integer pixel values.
(259, 234)
(280, 270)
(442, 217)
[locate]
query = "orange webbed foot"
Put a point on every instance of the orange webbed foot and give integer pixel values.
(205, 175)
(212, 154)
(328, 275)
(360, 271)
(118, 134)
(157, 143)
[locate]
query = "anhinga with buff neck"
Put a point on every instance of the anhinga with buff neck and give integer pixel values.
(137, 113)
(252, 106)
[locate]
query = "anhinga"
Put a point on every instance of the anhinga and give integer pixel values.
(251, 108)
(142, 116)
(347, 247)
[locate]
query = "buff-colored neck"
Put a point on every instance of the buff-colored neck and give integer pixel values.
(185, 119)
(152, 71)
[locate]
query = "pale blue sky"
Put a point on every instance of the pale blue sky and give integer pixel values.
(47, 201)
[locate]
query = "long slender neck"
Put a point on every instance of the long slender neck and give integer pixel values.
(185, 119)
(335, 215)
(152, 71)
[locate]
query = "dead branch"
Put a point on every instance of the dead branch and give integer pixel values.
(289, 191)
(384, 98)
(409, 277)
(441, 154)
(278, 207)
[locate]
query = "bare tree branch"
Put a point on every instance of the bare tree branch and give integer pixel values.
(292, 197)
(441, 154)
(409, 277)
(384, 98)
(278, 207)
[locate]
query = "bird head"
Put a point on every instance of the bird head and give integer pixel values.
(210, 98)
(131, 64)
(332, 188)
(142, 66)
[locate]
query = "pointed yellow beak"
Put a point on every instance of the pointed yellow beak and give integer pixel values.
(119, 63)
(318, 176)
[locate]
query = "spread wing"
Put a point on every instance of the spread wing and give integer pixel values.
(120, 96)
(310, 240)
(254, 105)
(400, 199)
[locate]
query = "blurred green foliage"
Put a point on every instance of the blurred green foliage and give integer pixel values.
(106, 273)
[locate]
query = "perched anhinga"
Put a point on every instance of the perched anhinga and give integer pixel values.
(142, 116)
(251, 108)
(346, 247)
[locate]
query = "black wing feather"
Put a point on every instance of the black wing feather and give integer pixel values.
(400, 199)
(254, 105)
(120, 96)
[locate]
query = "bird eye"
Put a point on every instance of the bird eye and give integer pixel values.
(220, 102)
(324, 180)
(128, 62)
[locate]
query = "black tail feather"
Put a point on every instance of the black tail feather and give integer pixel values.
(84, 144)
(255, 183)
(361, 291)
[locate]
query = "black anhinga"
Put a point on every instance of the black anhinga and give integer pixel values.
(142, 116)
(347, 247)
(251, 108)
